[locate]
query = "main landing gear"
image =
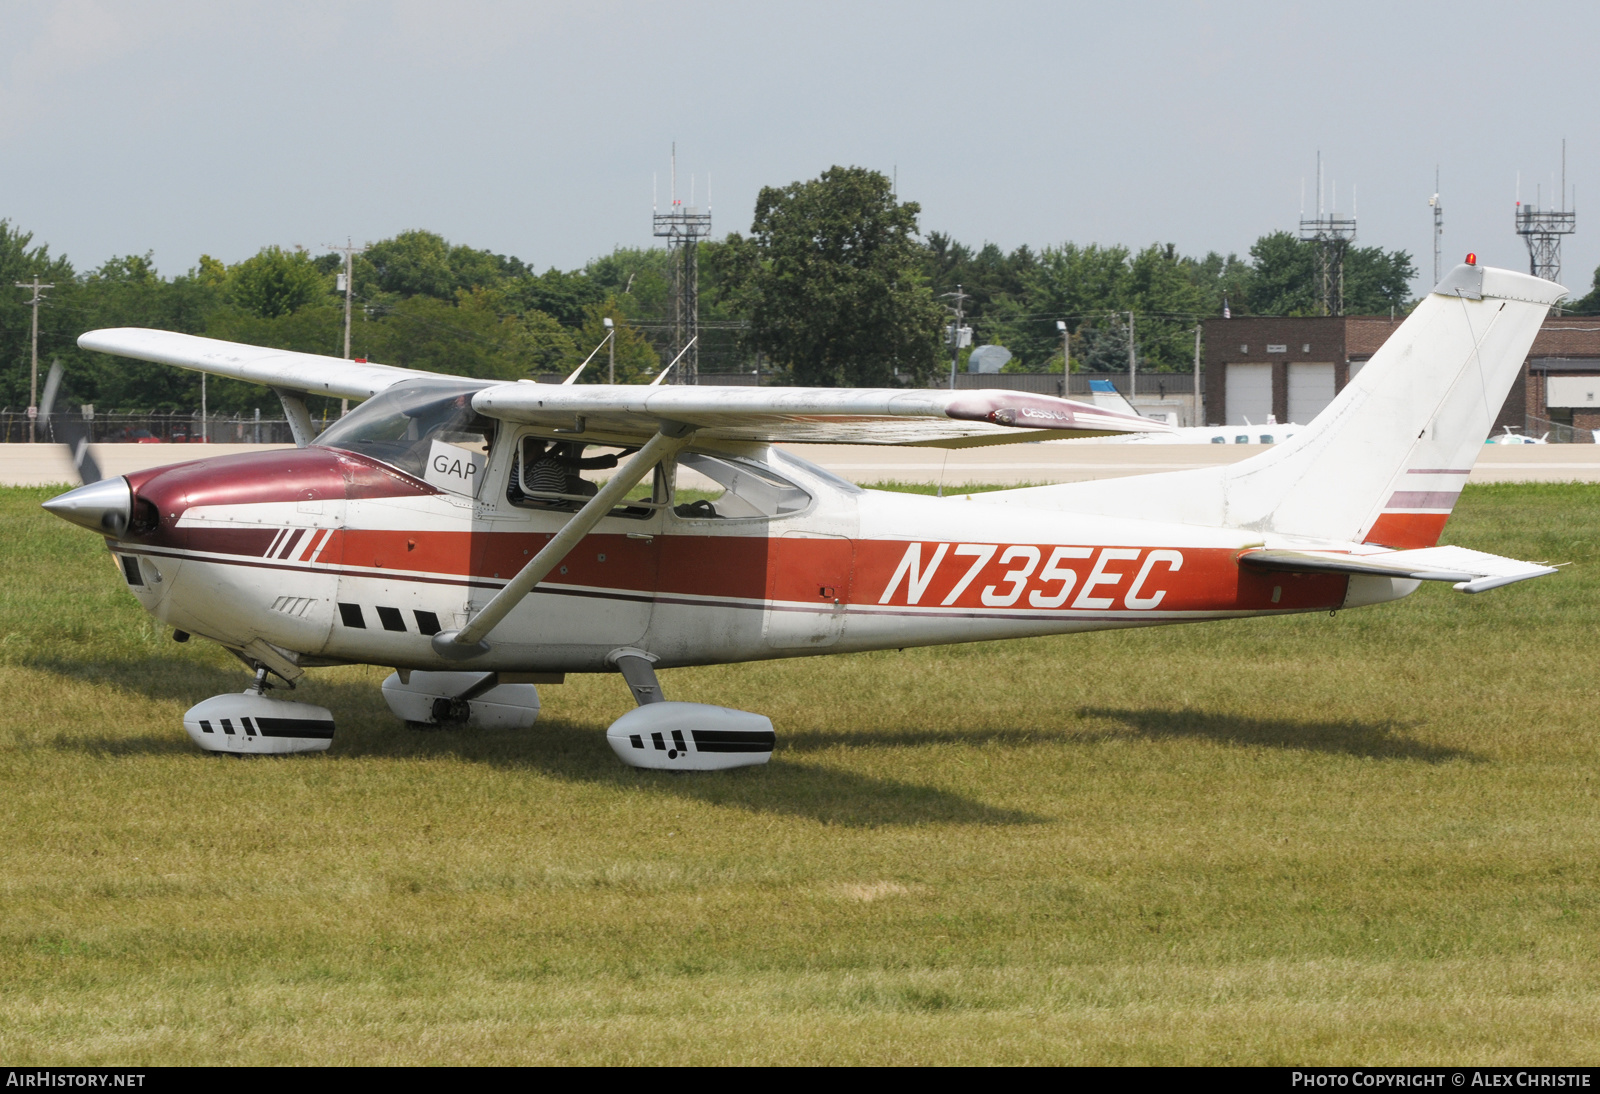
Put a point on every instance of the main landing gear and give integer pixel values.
(657, 734)
(433, 700)
(669, 736)
(253, 724)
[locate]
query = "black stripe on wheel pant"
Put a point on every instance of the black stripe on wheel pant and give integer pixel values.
(734, 740)
(295, 727)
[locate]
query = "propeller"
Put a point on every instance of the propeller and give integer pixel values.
(75, 433)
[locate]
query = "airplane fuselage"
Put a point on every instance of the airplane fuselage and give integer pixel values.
(334, 557)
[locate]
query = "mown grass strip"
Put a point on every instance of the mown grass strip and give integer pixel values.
(1369, 837)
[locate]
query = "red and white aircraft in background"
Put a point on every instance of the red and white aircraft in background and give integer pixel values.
(456, 529)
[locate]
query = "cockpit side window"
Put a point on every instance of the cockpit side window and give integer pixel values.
(729, 488)
(562, 475)
(426, 428)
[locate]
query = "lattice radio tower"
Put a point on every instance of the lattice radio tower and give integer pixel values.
(1542, 229)
(1333, 235)
(684, 226)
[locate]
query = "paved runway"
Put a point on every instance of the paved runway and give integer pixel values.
(1007, 464)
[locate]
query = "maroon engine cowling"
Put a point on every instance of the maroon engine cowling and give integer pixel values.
(162, 494)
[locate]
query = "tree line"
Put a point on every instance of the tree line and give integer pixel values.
(834, 284)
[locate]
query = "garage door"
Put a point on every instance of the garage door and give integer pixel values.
(1310, 390)
(1249, 394)
(1572, 391)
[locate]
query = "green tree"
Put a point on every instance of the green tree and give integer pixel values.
(637, 360)
(58, 321)
(1222, 282)
(276, 282)
(835, 295)
(422, 263)
(128, 292)
(1284, 278)
(1376, 280)
(1590, 303)
(640, 279)
(562, 295)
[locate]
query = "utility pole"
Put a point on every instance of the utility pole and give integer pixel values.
(611, 337)
(33, 383)
(1199, 418)
(958, 331)
(1066, 358)
(1133, 364)
(349, 250)
(1438, 223)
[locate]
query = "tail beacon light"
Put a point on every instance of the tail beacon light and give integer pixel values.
(691, 737)
(252, 724)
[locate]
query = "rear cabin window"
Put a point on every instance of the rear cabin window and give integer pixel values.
(562, 475)
(729, 488)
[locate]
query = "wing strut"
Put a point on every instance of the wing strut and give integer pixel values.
(294, 409)
(468, 642)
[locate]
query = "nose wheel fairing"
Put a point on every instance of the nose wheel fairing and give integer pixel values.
(253, 724)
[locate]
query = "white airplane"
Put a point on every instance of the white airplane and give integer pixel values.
(1103, 394)
(453, 529)
(1509, 437)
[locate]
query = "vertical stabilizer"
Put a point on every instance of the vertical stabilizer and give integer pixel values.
(1103, 393)
(1385, 462)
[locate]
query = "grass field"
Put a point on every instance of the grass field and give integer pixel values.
(1366, 838)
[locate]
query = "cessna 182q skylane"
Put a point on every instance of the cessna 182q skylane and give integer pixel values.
(456, 530)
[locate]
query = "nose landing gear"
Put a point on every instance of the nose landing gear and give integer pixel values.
(251, 724)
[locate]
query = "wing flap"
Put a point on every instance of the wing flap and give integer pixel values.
(810, 415)
(305, 372)
(1468, 571)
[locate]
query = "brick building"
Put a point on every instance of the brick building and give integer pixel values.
(1292, 368)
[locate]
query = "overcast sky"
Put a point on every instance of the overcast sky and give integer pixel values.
(534, 129)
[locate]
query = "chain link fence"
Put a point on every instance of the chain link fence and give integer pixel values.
(1556, 432)
(151, 427)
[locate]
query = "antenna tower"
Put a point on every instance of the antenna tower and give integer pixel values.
(1542, 230)
(1333, 235)
(683, 227)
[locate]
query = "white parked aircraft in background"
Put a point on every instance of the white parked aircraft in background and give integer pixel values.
(454, 529)
(1509, 437)
(1103, 394)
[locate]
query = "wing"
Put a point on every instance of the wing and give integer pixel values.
(306, 372)
(943, 419)
(631, 414)
(1469, 571)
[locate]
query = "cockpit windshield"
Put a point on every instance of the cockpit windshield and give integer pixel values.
(426, 428)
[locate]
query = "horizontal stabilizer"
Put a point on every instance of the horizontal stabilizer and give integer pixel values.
(1469, 571)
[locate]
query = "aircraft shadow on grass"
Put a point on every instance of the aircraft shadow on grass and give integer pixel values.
(1375, 740)
(560, 749)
